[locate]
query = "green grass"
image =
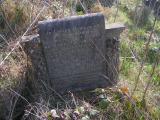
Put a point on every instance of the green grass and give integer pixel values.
(110, 103)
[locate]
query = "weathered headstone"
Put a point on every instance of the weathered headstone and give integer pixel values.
(74, 54)
(74, 49)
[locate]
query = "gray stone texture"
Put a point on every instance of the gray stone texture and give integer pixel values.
(74, 48)
(83, 56)
(37, 68)
(112, 38)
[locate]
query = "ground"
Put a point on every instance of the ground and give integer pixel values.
(139, 67)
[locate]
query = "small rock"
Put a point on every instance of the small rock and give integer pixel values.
(85, 118)
(54, 113)
(93, 112)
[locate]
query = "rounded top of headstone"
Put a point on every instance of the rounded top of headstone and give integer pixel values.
(71, 18)
(55, 25)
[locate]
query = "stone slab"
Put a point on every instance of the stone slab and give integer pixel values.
(74, 49)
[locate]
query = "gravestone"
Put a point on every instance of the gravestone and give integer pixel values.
(73, 54)
(74, 49)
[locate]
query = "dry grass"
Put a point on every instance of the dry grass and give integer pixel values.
(114, 103)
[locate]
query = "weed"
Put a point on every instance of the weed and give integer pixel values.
(113, 103)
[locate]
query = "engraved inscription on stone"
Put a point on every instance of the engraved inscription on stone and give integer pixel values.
(74, 49)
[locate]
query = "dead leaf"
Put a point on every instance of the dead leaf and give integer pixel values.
(124, 90)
